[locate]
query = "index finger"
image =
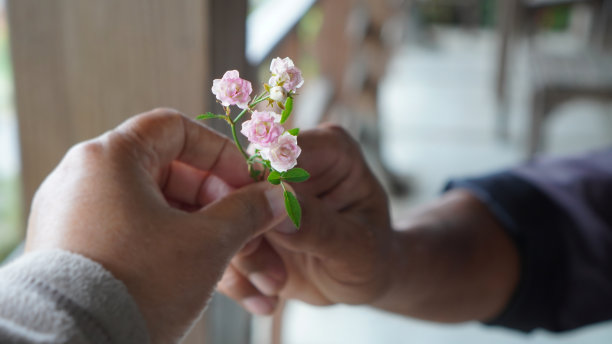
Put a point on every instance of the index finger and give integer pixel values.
(165, 135)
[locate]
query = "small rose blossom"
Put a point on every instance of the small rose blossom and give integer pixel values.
(277, 93)
(263, 129)
(232, 90)
(285, 74)
(283, 154)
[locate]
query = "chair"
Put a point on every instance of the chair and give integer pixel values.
(558, 79)
(555, 78)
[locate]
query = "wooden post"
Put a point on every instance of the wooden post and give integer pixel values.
(82, 67)
(506, 23)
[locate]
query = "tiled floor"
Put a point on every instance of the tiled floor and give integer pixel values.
(438, 115)
(444, 122)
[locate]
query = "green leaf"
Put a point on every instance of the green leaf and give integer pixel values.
(295, 175)
(294, 131)
(274, 178)
(209, 115)
(287, 112)
(293, 208)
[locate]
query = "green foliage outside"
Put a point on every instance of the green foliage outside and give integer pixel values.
(10, 186)
(449, 12)
(10, 215)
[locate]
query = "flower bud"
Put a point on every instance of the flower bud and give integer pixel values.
(277, 93)
(285, 74)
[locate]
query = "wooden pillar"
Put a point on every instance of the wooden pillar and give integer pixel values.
(82, 67)
(506, 24)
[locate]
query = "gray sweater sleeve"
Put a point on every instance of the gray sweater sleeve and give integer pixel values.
(61, 297)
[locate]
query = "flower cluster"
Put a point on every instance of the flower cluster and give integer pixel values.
(273, 148)
(270, 139)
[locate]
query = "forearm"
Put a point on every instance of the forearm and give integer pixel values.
(453, 262)
(57, 296)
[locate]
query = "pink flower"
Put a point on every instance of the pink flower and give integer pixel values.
(285, 74)
(263, 129)
(283, 154)
(232, 90)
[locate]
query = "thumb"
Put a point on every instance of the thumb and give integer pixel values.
(323, 231)
(245, 213)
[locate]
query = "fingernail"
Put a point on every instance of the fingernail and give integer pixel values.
(264, 283)
(276, 201)
(286, 227)
(259, 305)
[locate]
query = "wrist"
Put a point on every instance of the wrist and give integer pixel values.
(452, 262)
(397, 271)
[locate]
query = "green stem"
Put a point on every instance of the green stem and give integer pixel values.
(259, 96)
(258, 101)
(244, 154)
(233, 126)
(250, 108)
(240, 115)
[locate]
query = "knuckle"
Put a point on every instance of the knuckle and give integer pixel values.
(169, 117)
(155, 119)
(134, 136)
(166, 111)
(125, 142)
(341, 137)
(338, 131)
(85, 151)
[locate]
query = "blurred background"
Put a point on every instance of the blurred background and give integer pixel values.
(432, 89)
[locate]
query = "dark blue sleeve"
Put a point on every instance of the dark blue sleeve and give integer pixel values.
(559, 214)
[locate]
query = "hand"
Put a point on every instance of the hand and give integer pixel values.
(343, 250)
(451, 261)
(153, 201)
